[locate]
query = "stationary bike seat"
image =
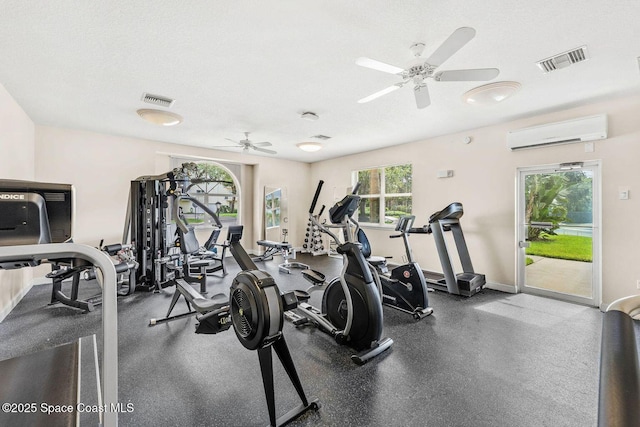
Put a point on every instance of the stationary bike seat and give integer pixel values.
(376, 260)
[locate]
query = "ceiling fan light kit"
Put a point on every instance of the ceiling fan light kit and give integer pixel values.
(159, 117)
(309, 146)
(491, 93)
(421, 70)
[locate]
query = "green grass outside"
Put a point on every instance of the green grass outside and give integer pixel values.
(195, 221)
(576, 248)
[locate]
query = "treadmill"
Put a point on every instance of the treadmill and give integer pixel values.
(467, 283)
(63, 385)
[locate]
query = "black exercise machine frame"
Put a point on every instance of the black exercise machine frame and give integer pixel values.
(262, 333)
(147, 227)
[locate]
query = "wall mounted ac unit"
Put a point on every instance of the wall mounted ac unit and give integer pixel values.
(576, 130)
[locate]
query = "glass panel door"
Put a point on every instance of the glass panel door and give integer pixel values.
(558, 239)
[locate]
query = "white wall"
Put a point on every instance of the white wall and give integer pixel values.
(101, 167)
(484, 181)
(16, 162)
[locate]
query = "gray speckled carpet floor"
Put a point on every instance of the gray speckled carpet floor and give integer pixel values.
(491, 360)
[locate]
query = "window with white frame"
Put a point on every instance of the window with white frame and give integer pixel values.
(214, 185)
(385, 193)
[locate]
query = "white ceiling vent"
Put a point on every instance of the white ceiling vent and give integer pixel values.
(563, 60)
(163, 101)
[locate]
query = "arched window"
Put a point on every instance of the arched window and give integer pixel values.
(216, 186)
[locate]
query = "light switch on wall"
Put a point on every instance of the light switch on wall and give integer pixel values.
(623, 193)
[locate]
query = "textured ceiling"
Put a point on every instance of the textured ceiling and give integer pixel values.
(236, 66)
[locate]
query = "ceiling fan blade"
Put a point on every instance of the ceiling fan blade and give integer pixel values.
(377, 65)
(479, 74)
(234, 141)
(380, 93)
(224, 146)
(264, 150)
(459, 38)
(422, 96)
(262, 144)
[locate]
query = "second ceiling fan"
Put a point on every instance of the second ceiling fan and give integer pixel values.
(420, 70)
(247, 145)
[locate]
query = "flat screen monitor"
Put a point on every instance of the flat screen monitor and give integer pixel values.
(35, 212)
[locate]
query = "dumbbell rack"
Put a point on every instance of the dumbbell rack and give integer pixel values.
(313, 242)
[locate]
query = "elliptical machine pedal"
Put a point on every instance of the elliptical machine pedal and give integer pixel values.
(295, 318)
(421, 313)
(368, 354)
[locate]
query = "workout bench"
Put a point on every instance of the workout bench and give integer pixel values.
(287, 252)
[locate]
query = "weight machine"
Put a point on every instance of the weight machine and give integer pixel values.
(150, 226)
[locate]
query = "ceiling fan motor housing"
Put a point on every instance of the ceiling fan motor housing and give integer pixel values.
(256, 309)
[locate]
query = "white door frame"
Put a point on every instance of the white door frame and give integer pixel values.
(596, 280)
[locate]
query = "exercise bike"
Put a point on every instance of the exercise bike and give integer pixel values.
(405, 287)
(351, 304)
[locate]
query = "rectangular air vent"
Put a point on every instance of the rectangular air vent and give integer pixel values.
(321, 137)
(563, 60)
(157, 100)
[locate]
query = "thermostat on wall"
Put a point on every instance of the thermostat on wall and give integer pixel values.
(445, 173)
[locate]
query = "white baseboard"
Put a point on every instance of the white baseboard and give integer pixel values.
(37, 281)
(15, 300)
(501, 287)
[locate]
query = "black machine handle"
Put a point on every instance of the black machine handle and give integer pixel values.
(356, 188)
(321, 210)
(395, 236)
(315, 197)
(114, 248)
(183, 226)
(425, 229)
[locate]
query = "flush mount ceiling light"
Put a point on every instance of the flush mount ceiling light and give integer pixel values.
(308, 115)
(309, 146)
(160, 117)
(491, 93)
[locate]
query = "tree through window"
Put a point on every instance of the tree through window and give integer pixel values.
(386, 194)
(214, 187)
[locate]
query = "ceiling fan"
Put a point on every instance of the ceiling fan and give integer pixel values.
(421, 69)
(247, 145)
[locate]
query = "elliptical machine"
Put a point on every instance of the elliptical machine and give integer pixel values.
(405, 288)
(351, 304)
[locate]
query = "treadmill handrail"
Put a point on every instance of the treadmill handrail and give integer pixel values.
(107, 279)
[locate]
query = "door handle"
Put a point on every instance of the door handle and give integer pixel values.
(524, 244)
